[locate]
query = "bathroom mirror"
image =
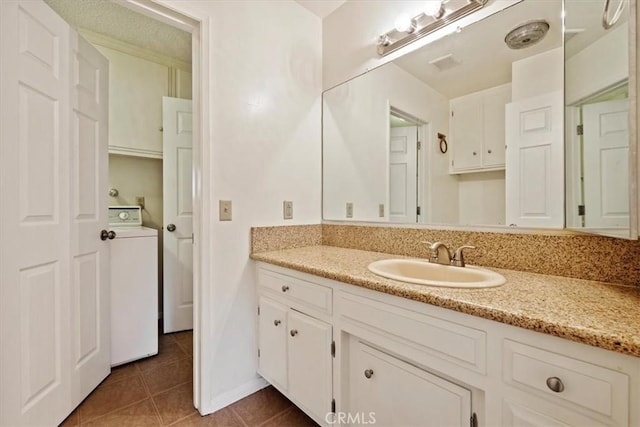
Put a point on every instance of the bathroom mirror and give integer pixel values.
(422, 139)
(599, 118)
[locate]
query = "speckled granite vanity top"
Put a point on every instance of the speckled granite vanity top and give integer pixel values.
(596, 313)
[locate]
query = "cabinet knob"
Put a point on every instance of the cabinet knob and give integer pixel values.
(489, 151)
(475, 153)
(293, 332)
(368, 373)
(276, 322)
(285, 288)
(555, 384)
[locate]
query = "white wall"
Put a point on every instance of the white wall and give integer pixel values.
(598, 66)
(355, 142)
(264, 100)
(482, 198)
(537, 75)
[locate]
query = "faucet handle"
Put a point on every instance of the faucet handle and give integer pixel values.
(458, 257)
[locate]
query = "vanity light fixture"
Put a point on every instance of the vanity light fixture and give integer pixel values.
(436, 14)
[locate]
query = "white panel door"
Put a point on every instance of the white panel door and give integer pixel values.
(47, 290)
(403, 174)
(606, 164)
(535, 162)
(90, 294)
(178, 215)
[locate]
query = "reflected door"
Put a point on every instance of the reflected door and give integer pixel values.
(606, 164)
(403, 174)
(178, 215)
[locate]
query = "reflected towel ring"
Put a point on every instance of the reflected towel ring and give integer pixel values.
(606, 23)
(443, 142)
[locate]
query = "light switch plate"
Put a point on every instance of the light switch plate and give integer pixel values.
(225, 210)
(349, 209)
(287, 209)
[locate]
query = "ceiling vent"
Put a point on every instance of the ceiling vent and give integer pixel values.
(445, 62)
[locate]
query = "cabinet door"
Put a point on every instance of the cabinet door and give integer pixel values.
(494, 131)
(272, 342)
(466, 134)
(397, 393)
(310, 373)
(136, 88)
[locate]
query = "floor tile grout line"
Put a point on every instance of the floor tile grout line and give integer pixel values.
(182, 419)
(276, 415)
(90, 420)
(235, 413)
(153, 402)
(171, 388)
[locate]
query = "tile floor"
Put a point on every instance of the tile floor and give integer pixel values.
(157, 391)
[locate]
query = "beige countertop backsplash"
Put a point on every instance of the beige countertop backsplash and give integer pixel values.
(590, 311)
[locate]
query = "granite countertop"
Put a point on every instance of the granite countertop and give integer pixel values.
(600, 314)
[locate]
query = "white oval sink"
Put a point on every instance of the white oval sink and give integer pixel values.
(425, 273)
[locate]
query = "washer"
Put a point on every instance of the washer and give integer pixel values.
(134, 286)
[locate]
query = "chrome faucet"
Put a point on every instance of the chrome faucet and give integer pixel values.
(441, 254)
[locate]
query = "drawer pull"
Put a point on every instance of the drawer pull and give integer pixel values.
(294, 332)
(368, 373)
(555, 384)
(276, 322)
(285, 288)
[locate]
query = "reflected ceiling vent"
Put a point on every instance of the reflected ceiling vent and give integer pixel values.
(527, 34)
(444, 62)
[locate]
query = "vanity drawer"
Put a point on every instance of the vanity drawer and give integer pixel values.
(601, 390)
(445, 340)
(297, 291)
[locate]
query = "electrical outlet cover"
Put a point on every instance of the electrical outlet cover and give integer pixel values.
(287, 209)
(225, 210)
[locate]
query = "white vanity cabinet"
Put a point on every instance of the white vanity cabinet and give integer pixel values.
(477, 127)
(400, 362)
(295, 344)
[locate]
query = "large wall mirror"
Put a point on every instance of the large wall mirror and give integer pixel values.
(470, 129)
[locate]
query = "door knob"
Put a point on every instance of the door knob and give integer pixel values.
(171, 227)
(555, 384)
(368, 373)
(104, 235)
(276, 322)
(293, 332)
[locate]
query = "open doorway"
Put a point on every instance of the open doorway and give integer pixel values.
(150, 60)
(406, 167)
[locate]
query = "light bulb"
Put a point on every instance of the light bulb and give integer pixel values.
(404, 24)
(434, 8)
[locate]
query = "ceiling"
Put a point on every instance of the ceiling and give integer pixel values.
(118, 22)
(321, 8)
(483, 58)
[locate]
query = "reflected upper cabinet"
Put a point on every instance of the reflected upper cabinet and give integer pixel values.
(497, 92)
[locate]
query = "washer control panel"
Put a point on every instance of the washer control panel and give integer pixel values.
(125, 216)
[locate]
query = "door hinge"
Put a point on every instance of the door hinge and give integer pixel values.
(581, 209)
(258, 310)
(258, 352)
(451, 162)
(580, 130)
(418, 210)
(192, 239)
(333, 406)
(451, 113)
(474, 420)
(333, 348)
(419, 145)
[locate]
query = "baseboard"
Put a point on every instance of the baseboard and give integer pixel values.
(232, 396)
